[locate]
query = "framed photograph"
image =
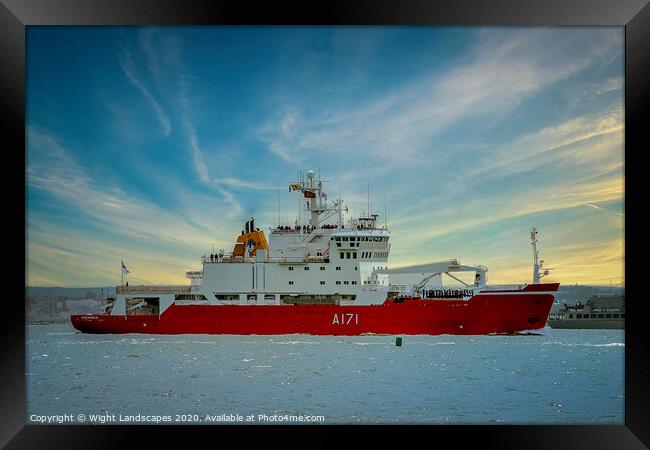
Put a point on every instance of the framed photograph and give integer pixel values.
(395, 214)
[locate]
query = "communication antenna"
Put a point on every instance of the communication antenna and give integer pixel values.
(385, 212)
(368, 197)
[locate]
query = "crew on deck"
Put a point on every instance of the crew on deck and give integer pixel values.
(307, 228)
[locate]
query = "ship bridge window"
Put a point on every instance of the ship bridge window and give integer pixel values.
(338, 238)
(341, 255)
(347, 255)
(226, 296)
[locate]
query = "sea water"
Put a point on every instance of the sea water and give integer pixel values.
(565, 377)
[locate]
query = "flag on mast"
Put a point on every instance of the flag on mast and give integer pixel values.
(124, 269)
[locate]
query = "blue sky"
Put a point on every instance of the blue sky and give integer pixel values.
(152, 144)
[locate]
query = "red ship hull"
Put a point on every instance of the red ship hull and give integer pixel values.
(486, 313)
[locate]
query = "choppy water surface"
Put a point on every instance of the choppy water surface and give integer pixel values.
(569, 376)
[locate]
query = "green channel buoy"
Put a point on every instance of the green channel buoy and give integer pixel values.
(398, 341)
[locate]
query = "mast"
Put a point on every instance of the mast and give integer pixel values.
(538, 264)
(314, 198)
(533, 238)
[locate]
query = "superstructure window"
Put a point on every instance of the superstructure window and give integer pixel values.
(341, 255)
(354, 282)
(346, 282)
(338, 268)
(338, 282)
(290, 267)
(322, 267)
(306, 267)
(347, 255)
(354, 255)
(322, 282)
(290, 282)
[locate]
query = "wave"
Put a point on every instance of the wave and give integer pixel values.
(579, 344)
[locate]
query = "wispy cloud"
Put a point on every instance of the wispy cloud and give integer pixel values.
(604, 209)
(51, 168)
(505, 68)
(129, 70)
(542, 147)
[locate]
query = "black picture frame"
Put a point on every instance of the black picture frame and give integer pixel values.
(634, 15)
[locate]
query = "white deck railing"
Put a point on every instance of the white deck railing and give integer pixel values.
(144, 289)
